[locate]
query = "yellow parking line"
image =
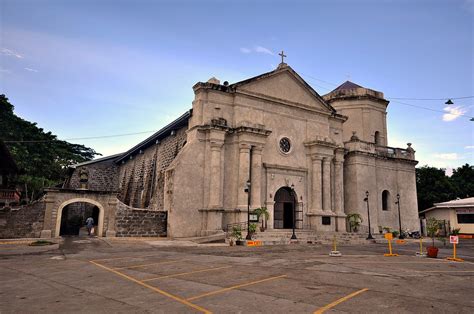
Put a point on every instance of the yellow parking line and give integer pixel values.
(15, 242)
(233, 287)
(123, 257)
(145, 265)
(169, 295)
(187, 273)
(446, 271)
(333, 304)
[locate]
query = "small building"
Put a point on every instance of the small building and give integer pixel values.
(9, 195)
(459, 213)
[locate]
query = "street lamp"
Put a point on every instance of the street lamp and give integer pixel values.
(293, 236)
(401, 236)
(366, 199)
(247, 189)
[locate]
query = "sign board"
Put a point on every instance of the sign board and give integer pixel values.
(254, 243)
(389, 236)
(454, 239)
(253, 217)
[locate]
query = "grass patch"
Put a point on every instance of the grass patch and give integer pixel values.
(41, 243)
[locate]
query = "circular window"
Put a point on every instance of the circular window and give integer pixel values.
(285, 145)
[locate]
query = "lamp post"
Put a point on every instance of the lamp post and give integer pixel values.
(401, 236)
(293, 236)
(366, 199)
(247, 189)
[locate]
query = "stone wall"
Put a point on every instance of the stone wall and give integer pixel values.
(103, 176)
(23, 222)
(141, 179)
(134, 222)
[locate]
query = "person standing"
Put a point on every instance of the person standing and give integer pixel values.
(89, 225)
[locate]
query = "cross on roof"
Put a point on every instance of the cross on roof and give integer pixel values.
(282, 56)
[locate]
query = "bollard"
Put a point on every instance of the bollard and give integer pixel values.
(335, 252)
(389, 237)
(421, 253)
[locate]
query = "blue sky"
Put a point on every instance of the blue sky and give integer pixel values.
(88, 68)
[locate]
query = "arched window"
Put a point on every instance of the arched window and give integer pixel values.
(377, 138)
(385, 200)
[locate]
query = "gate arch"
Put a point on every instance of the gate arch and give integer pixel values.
(100, 223)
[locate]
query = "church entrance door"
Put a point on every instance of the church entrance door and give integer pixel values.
(283, 210)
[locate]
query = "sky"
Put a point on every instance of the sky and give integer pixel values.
(87, 68)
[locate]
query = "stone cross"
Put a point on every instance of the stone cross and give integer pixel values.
(282, 56)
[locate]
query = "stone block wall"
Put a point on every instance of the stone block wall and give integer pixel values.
(103, 176)
(141, 179)
(135, 222)
(23, 222)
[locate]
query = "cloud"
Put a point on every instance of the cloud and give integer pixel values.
(469, 147)
(264, 50)
(257, 49)
(448, 156)
(453, 112)
(10, 53)
(31, 70)
(4, 71)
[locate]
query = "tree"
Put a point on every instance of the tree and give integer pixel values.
(463, 179)
(433, 186)
(41, 156)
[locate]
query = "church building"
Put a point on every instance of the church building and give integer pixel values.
(269, 141)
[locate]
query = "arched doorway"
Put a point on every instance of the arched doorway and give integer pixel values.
(283, 210)
(71, 216)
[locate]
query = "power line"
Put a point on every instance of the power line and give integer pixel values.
(401, 98)
(430, 109)
(83, 138)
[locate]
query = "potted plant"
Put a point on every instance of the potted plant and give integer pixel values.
(237, 235)
(263, 213)
(432, 227)
(395, 233)
(354, 221)
(252, 229)
(455, 231)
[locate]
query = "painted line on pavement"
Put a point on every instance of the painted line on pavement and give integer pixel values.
(17, 242)
(187, 273)
(169, 295)
(123, 257)
(146, 265)
(234, 287)
(343, 299)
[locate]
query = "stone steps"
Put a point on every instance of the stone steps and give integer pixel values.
(271, 237)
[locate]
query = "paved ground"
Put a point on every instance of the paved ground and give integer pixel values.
(94, 275)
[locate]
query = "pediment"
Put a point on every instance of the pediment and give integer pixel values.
(284, 84)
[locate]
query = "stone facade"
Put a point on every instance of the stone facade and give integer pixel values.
(137, 222)
(102, 176)
(22, 222)
(141, 176)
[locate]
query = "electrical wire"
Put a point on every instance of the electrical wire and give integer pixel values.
(83, 138)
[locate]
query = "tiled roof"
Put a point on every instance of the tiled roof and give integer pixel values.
(347, 85)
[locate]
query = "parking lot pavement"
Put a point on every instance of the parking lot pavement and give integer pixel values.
(93, 275)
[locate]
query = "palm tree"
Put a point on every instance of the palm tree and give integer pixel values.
(262, 212)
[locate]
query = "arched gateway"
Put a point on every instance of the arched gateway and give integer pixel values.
(58, 199)
(283, 210)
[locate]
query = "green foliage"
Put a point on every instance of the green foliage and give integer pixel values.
(252, 228)
(40, 156)
(236, 232)
(433, 186)
(432, 227)
(395, 233)
(262, 212)
(455, 231)
(354, 220)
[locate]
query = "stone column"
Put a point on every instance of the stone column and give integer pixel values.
(244, 153)
(326, 184)
(256, 182)
(338, 186)
(216, 173)
(316, 199)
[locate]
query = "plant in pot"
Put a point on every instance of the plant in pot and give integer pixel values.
(237, 235)
(395, 233)
(252, 229)
(354, 221)
(432, 227)
(264, 214)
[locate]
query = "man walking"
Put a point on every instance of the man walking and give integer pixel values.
(89, 225)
